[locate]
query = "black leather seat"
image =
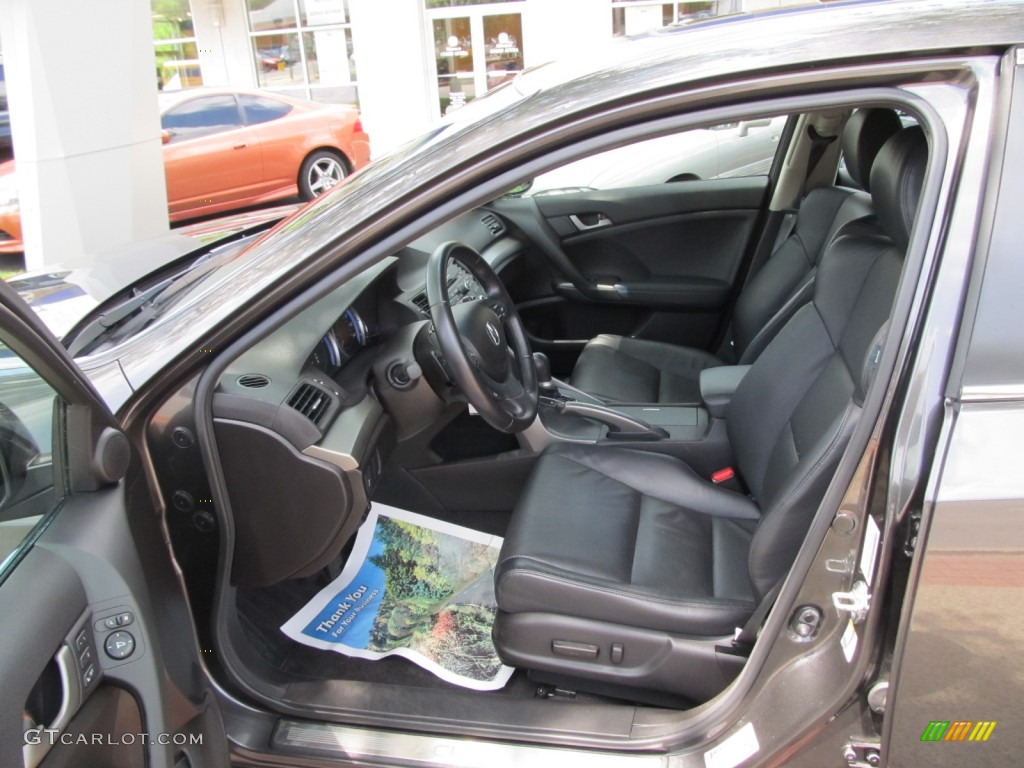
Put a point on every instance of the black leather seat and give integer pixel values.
(626, 370)
(625, 568)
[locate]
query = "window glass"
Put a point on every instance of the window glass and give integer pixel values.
(634, 17)
(271, 14)
(457, 3)
(314, 12)
(201, 117)
(329, 64)
(503, 35)
(27, 492)
(174, 40)
(453, 48)
(745, 148)
(304, 47)
(278, 61)
(260, 109)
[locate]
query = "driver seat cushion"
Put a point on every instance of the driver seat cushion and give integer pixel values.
(642, 541)
(626, 370)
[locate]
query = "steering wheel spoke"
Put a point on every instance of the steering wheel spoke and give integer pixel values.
(497, 306)
(483, 341)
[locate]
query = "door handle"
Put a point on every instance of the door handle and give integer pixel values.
(599, 220)
(243, 145)
(71, 698)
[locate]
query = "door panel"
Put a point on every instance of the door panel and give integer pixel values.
(44, 662)
(686, 261)
(213, 170)
(86, 679)
(111, 711)
(656, 262)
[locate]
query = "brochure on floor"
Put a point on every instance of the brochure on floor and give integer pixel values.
(413, 587)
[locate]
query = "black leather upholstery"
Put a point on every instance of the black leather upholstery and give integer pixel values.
(866, 132)
(794, 410)
(897, 178)
(610, 542)
(625, 370)
(589, 512)
(628, 370)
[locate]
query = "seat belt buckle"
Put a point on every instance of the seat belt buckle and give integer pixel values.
(727, 478)
(723, 475)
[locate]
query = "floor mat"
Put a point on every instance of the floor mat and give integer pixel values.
(413, 587)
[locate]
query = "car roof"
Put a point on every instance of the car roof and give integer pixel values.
(803, 39)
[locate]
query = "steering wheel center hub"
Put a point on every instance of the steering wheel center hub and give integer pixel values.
(484, 337)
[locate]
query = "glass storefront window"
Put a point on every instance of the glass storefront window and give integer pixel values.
(271, 14)
(634, 17)
(476, 48)
(503, 34)
(329, 65)
(453, 48)
(458, 3)
(278, 60)
(318, 12)
(304, 48)
(174, 41)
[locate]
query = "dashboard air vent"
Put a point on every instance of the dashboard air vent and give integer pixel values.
(493, 223)
(253, 380)
(311, 401)
(422, 303)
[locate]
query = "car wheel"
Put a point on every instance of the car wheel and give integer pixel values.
(320, 171)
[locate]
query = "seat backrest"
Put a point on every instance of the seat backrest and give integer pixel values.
(791, 417)
(785, 282)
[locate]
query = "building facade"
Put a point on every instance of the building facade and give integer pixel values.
(404, 62)
(87, 186)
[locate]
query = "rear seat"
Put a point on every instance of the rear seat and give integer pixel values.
(623, 369)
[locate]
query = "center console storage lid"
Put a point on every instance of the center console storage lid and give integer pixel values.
(717, 386)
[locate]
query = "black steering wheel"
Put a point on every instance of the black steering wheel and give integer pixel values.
(483, 342)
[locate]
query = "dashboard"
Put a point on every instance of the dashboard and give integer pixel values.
(322, 401)
(357, 327)
(347, 336)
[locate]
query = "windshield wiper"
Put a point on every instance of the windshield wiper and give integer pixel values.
(102, 324)
(138, 310)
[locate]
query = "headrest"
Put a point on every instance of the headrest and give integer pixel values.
(865, 133)
(896, 180)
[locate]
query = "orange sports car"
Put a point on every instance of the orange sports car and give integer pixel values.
(230, 149)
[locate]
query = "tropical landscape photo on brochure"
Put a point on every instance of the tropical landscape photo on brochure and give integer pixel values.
(413, 587)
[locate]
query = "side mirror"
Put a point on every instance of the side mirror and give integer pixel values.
(520, 189)
(165, 136)
(746, 125)
(17, 449)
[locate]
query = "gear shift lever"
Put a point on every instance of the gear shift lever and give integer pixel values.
(544, 382)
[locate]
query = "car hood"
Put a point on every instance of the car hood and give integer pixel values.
(62, 296)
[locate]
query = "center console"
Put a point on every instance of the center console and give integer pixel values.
(694, 432)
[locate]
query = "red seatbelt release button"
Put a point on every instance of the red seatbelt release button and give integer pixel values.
(722, 475)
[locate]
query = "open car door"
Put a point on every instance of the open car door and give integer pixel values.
(99, 664)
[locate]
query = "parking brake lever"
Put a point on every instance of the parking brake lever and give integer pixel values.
(620, 426)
